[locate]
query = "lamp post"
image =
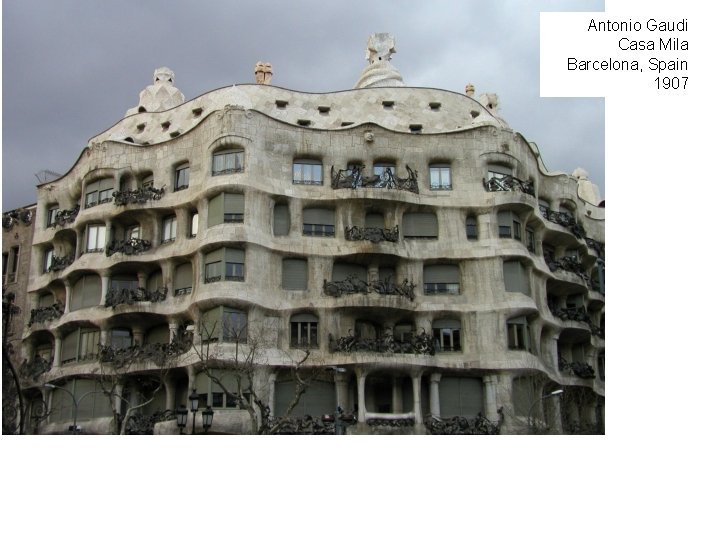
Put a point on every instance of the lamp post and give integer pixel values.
(181, 413)
(538, 400)
(76, 402)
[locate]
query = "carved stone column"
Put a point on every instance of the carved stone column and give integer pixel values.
(172, 330)
(170, 395)
(271, 392)
(491, 405)
(341, 390)
(556, 414)
(417, 409)
(435, 394)
(105, 285)
(68, 297)
(58, 349)
(142, 280)
(361, 394)
(396, 396)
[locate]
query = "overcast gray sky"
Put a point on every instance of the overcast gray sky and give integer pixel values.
(71, 68)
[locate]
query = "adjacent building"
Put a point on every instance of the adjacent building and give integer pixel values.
(401, 249)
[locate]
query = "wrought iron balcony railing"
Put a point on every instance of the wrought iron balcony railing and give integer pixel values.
(116, 297)
(569, 264)
(138, 196)
(509, 183)
(597, 246)
(32, 369)
(353, 178)
(133, 246)
(578, 314)
(564, 220)
(48, 313)
(459, 425)
(13, 217)
(579, 369)
(421, 343)
(353, 285)
(60, 263)
(373, 234)
(159, 353)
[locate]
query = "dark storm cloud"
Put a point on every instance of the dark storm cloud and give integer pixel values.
(71, 68)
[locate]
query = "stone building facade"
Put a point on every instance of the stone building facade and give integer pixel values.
(17, 233)
(439, 277)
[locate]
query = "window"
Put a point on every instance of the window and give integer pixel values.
(13, 264)
(471, 228)
(52, 213)
(307, 171)
(234, 325)
(601, 365)
(342, 271)
(226, 208)
(294, 274)
(374, 220)
(446, 334)
(516, 277)
(228, 162)
(440, 177)
(518, 334)
(383, 171)
(530, 240)
(120, 282)
(88, 346)
(304, 330)
(496, 174)
(169, 231)
(99, 192)
(182, 177)
(281, 220)
(131, 232)
(47, 259)
(420, 225)
(572, 254)
(225, 264)
(81, 344)
(318, 222)
(183, 279)
(194, 220)
(94, 238)
(85, 292)
(404, 332)
(509, 225)
(95, 405)
(461, 396)
(148, 182)
(121, 338)
(441, 279)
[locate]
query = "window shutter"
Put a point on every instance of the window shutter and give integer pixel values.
(516, 277)
(183, 276)
(92, 287)
(202, 383)
(214, 256)
(294, 274)
(441, 273)
(304, 317)
(233, 255)
(499, 169)
(452, 324)
(234, 203)
(159, 334)
(319, 216)
(211, 327)
(281, 220)
(215, 211)
(155, 281)
(46, 300)
(385, 272)
(345, 270)
(505, 218)
(518, 320)
(69, 346)
(578, 354)
(460, 396)
(374, 220)
(84, 406)
(422, 224)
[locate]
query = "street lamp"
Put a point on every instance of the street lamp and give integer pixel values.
(207, 418)
(181, 417)
(182, 412)
(76, 402)
(194, 404)
(538, 400)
